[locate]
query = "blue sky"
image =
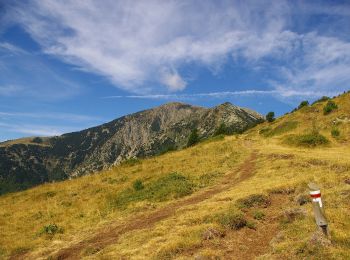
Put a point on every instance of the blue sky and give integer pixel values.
(68, 65)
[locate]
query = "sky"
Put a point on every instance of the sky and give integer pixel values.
(66, 65)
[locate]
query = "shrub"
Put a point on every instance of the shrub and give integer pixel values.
(270, 116)
(254, 200)
(302, 104)
(232, 219)
(335, 132)
(37, 140)
(322, 99)
(251, 225)
(221, 130)
(138, 185)
(329, 107)
(51, 229)
(193, 138)
(259, 215)
(309, 140)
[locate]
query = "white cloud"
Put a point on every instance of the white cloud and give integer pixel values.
(36, 130)
(131, 43)
(9, 90)
(226, 94)
(51, 115)
(139, 45)
(25, 74)
(172, 80)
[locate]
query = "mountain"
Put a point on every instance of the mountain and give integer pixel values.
(243, 196)
(31, 161)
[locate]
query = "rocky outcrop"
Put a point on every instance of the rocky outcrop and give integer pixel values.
(142, 134)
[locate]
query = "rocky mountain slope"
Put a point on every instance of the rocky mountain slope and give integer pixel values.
(29, 162)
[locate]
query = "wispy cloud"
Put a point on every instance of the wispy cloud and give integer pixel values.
(227, 94)
(25, 74)
(52, 115)
(35, 130)
(9, 90)
(141, 45)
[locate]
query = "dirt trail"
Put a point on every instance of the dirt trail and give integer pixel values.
(110, 235)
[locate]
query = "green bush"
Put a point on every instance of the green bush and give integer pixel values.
(322, 99)
(335, 132)
(254, 200)
(51, 229)
(138, 185)
(221, 130)
(302, 104)
(232, 219)
(329, 107)
(270, 116)
(259, 215)
(37, 140)
(193, 138)
(307, 140)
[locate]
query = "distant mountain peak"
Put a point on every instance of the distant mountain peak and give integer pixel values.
(145, 133)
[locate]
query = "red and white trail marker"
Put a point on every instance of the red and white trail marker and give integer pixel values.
(316, 196)
(318, 208)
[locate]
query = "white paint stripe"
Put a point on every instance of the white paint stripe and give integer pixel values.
(318, 200)
(315, 192)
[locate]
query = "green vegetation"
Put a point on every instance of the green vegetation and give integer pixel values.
(307, 140)
(51, 229)
(138, 185)
(322, 99)
(270, 116)
(302, 104)
(37, 140)
(335, 132)
(280, 129)
(232, 219)
(254, 200)
(259, 215)
(329, 107)
(222, 130)
(193, 138)
(171, 186)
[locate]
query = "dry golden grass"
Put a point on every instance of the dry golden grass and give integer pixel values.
(81, 206)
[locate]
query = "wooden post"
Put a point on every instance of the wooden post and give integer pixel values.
(318, 208)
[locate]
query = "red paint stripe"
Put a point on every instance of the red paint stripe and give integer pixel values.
(318, 195)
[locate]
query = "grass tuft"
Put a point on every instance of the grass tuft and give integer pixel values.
(232, 219)
(306, 140)
(171, 186)
(254, 200)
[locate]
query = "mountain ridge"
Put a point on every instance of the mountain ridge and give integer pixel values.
(141, 134)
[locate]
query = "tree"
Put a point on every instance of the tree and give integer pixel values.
(270, 116)
(302, 104)
(37, 140)
(221, 130)
(193, 138)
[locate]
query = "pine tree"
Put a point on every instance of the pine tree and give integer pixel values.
(193, 138)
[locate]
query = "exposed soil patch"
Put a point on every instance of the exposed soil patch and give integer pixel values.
(110, 234)
(246, 243)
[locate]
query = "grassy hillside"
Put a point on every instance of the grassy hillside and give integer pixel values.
(237, 197)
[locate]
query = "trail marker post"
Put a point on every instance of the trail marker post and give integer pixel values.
(318, 208)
